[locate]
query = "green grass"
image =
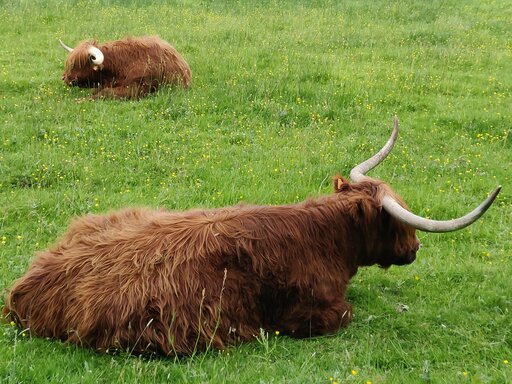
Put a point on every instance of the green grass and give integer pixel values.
(285, 94)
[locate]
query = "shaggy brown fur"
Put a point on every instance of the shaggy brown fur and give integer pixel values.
(178, 282)
(132, 67)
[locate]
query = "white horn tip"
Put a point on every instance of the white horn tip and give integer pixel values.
(69, 49)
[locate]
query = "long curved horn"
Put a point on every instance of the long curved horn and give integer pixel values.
(95, 55)
(358, 172)
(65, 46)
(402, 214)
(427, 225)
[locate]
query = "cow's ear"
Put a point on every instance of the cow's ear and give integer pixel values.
(340, 183)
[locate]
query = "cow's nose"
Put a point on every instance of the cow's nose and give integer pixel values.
(411, 256)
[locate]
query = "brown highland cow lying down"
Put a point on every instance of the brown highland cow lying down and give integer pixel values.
(127, 68)
(149, 281)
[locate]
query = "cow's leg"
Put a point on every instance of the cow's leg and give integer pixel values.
(131, 91)
(316, 311)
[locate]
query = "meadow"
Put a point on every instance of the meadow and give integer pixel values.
(285, 94)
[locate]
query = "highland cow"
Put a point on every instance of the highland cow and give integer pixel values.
(128, 68)
(173, 283)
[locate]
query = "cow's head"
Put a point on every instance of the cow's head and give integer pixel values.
(83, 65)
(396, 242)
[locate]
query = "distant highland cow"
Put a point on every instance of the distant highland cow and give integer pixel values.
(127, 68)
(174, 283)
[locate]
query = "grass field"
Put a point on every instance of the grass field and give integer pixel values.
(285, 94)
